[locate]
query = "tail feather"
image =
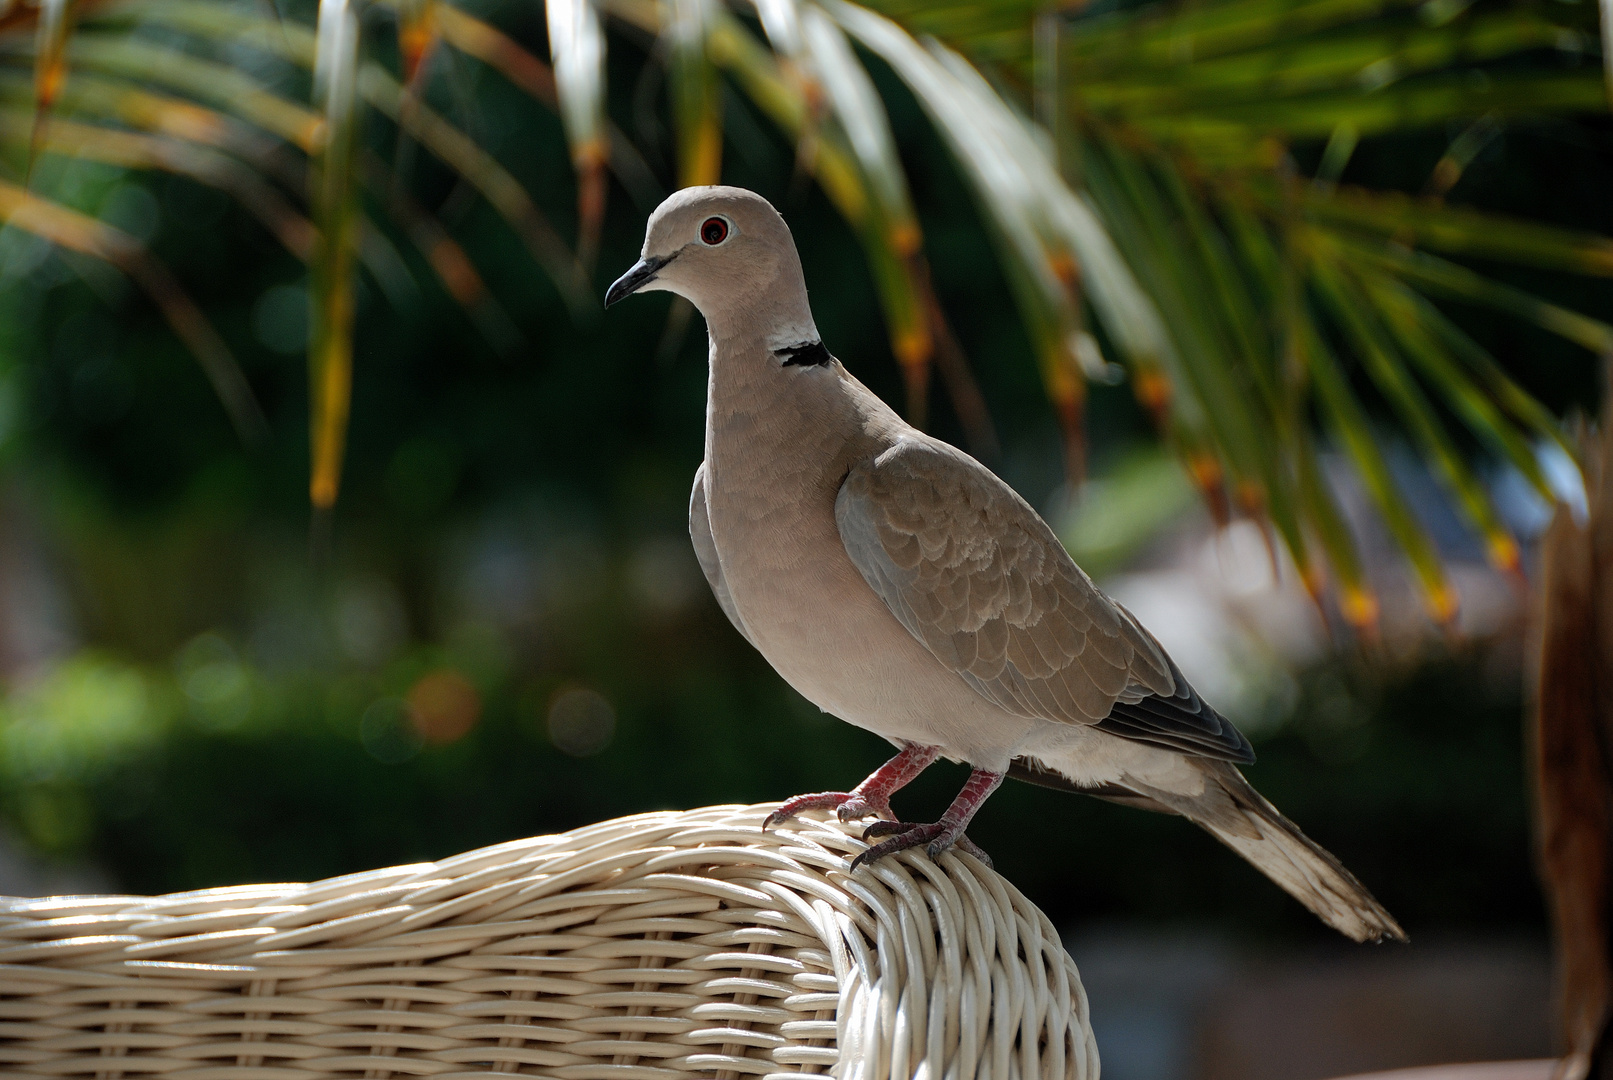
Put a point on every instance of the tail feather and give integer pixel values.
(1237, 815)
(1245, 822)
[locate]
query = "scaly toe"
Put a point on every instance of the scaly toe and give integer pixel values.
(907, 836)
(887, 827)
(855, 808)
(936, 839)
(789, 808)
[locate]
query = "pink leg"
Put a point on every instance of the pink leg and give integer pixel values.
(941, 835)
(872, 796)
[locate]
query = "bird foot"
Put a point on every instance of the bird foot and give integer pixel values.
(847, 805)
(939, 836)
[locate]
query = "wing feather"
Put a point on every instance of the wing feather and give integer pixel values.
(977, 577)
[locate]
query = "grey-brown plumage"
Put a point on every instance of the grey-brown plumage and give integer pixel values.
(975, 574)
(897, 583)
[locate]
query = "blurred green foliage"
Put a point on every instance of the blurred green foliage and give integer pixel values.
(206, 772)
(1140, 494)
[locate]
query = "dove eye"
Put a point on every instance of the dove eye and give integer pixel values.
(713, 231)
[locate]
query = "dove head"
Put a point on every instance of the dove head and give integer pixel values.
(728, 252)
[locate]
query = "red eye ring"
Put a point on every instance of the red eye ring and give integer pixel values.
(713, 231)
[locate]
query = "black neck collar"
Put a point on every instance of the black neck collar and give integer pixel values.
(808, 354)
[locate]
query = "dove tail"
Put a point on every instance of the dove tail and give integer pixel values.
(1232, 811)
(1245, 822)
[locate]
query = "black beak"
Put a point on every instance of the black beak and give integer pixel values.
(642, 274)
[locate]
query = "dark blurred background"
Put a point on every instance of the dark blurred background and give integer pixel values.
(507, 633)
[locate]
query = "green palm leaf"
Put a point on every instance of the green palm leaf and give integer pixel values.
(1218, 278)
(330, 339)
(78, 232)
(577, 45)
(50, 63)
(696, 93)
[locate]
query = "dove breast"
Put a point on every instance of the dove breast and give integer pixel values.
(766, 523)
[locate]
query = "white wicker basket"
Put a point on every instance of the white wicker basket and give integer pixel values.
(660, 946)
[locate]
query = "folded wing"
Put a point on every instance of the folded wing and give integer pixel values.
(975, 574)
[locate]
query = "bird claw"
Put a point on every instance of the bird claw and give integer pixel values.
(888, 828)
(847, 805)
(969, 847)
(857, 807)
(938, 837)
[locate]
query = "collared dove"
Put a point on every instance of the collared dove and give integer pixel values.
(898, 584)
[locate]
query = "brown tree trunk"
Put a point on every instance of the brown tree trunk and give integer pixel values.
(1571, 732)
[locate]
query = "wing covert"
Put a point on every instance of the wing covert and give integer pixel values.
(974, 574)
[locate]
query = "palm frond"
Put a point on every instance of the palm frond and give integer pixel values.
(1349, 424)
(891, 234)
(50, 64)
(418, 34)
(330, 338)
(139, 63)
(1425, 223)
(883, 220)
(136, 150)
(1008, 195)
(1445, 278)
(1353, 310)
(73, 231)
(696, 93)
(577, 46)
(1238, 297)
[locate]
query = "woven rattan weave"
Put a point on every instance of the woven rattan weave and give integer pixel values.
(659, 946)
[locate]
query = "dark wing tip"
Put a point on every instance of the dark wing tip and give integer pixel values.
(1183, 722)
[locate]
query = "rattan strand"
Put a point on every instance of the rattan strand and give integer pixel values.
(665, 945)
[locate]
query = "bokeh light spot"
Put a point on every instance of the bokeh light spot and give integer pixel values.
(444, 706)
(663, 575)
(218, 685)
(581, 722)
(371, 624)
